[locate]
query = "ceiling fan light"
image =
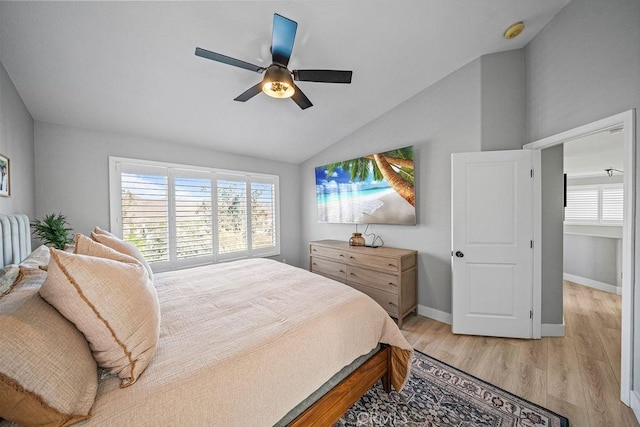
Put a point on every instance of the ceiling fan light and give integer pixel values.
(277, 82)
(278, 89)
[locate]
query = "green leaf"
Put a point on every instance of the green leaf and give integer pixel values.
(53, 230)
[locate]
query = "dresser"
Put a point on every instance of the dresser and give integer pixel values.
(388, 275)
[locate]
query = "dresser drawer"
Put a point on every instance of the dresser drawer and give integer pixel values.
(375, 279)
(387, 300)
(373, 261)
(335, 254)
(328, 268)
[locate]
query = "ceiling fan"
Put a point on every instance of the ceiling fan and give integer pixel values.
(278, 80)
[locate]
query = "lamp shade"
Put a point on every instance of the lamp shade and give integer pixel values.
(277, 82)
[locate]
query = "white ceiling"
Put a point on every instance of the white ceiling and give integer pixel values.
(592, 154)
(130, 68)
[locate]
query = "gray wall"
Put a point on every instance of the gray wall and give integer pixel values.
(552, 160)
(593, 251)
(72, 176)
(584, 66)
(445, 118)
(16, 142)
(592, 257)
(502, 88)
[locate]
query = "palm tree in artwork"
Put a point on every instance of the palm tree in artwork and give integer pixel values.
(395, 166)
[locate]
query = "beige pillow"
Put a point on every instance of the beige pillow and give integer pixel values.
(113, 303)
(121, 246)
(47, 375)
(86, 246)
(99, 230)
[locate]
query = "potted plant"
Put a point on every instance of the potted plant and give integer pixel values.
(53, 230)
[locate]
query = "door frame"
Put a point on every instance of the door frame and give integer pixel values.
(627, 120)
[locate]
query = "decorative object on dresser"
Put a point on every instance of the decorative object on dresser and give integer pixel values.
(388, 275)
(356, 240)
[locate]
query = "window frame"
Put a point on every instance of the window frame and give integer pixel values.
(173, 170)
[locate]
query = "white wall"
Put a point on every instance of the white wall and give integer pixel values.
(16, 143)
(582, 67)
(72, 176)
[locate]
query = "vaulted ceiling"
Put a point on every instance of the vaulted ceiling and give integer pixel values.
(130, 68)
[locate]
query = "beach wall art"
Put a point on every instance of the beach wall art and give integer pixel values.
(373, 189)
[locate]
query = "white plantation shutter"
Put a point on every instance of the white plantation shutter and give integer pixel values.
(263, 214)
(582, 204)
(179, 215)
(145, 212)
(194, 234)
(595, 204)
(232, 216)
(612, 204)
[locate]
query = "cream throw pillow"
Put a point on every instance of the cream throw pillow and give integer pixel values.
(47, 374)
(113, 303)
(121, 246)
(99, 230)
(86, 246)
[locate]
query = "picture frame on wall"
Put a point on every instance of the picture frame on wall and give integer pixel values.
(5, 181)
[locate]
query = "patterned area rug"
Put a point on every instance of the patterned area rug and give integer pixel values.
(439, 395)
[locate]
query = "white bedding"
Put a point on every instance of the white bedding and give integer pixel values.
(242, 343)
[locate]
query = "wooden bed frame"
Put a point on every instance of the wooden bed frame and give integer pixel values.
(330, 407)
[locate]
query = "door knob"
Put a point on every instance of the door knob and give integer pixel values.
(459, 254)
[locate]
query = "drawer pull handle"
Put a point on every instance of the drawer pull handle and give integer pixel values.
(353, 274)
(342, 255)
(391, 265)
(392, 304)
(392, 284)
(315, 264)
(341, 271)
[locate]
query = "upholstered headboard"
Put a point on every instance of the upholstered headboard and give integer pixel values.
(15, 238)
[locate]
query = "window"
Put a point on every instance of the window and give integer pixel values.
(595, 204)
(180, 216)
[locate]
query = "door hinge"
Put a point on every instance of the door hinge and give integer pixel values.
(531, 244)
(531, 314)
(531, 173)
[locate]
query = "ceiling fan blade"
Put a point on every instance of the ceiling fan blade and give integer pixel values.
(228, 60)
(284, 34)
(301, 99)
(249, 93)
(322, 76)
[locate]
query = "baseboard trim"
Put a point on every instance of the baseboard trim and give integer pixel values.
(552, 329)
(606, 287)
(432, 313)
(547, 329)
(635, 404)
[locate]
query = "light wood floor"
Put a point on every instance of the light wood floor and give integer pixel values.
(577, 376)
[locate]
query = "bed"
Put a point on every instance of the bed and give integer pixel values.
(251, 342)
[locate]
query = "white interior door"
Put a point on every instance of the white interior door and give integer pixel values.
(492, 242)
